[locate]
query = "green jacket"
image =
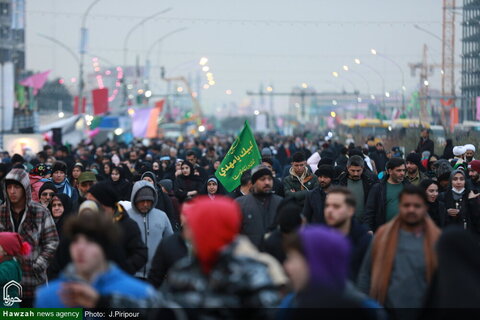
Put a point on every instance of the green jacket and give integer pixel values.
(10, 270)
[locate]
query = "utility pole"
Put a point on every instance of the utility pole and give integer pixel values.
(448, 55)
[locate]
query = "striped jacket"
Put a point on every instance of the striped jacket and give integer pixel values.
(37, 228)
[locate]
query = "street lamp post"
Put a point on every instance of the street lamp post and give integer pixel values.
(82, 51)
(357, 61)
(375, 53)
(159, 40)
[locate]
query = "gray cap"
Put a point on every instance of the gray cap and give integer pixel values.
(266, 152)
(167, 184)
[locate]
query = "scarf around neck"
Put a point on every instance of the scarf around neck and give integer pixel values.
(64, 187)
(384, 249)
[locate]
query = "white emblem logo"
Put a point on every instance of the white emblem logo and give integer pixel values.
(8, 301)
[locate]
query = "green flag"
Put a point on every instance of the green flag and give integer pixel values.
(243, 155)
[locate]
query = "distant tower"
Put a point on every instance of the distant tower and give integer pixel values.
(12, 33)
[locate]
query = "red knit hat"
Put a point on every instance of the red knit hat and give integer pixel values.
(212, 226)
(474, 165)
(12, 244)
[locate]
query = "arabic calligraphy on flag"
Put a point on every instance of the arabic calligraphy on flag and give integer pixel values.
(242, 156)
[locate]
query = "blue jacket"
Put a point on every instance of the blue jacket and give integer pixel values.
(113, 281)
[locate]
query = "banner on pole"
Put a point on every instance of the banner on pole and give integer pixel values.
(100, 101)
(242, 156)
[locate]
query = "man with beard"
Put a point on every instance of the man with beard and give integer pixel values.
(85, 181)
(382, 202)
(300, 179)
(315, 199)
(401, 260)
(474, 174)
(339, 212)
(259, 208)
(358, 182)
(414, 169)
(277, 184)
(469, 153)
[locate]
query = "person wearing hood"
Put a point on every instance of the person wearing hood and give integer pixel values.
(59, 178)
(461, 204)
(225, 279)
(401, 260)
(187, 185)
(164, 202)
(131, 241)
(442, 169)
(317, 264)
(436, 208)
(300, 180)
(153, 223)
(122, 186)
(61, 209)
(37, 179)
(259, 208)
(46, 193)
(93, 241)
(167, 187)
(469, 152)
(415, 169)
(12, 249)
(34, 224)
(76, 171)
(212, 188)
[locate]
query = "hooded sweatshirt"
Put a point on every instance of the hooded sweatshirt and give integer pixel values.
(212, 227)
(36, 227)
(154, 225)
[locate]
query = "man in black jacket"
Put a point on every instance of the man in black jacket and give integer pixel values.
(379, 156)
(131, 239)
(382, 202)
(339, 211)
(259, 208)
(315, 199)
(358, 182)
(425, 144)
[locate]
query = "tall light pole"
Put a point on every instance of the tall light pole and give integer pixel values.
(82, 51)
(367, 84)
(159, 40)
(357, 61)
(375, 53)
(125, 44)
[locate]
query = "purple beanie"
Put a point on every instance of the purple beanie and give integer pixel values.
(327, 252)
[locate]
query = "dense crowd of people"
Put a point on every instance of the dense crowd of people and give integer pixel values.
(317, 224)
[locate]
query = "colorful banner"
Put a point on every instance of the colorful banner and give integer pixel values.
(100, 101)
(478, 109)
(145, 121)
(36, 81)
(75, 105)
(242, 156)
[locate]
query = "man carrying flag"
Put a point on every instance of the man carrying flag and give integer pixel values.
(259, 209)
(242, 156)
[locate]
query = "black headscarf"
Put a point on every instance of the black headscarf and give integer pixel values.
(67, 210)
(121, 186)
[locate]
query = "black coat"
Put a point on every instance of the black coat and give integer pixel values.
(437, 212)
(273, 245)
(258, 219)
(360, 240)
(183, 185)
(169, 251)
(468, 210)
(130, 254)
(425, 145)
(380, 158)
(314, 205)
(376, 205)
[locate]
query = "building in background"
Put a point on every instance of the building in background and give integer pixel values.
(470, 59)
(12, 33)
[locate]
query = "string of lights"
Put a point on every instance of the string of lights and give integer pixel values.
(255, 22)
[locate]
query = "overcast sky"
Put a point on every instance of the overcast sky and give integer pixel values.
(248, 43)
